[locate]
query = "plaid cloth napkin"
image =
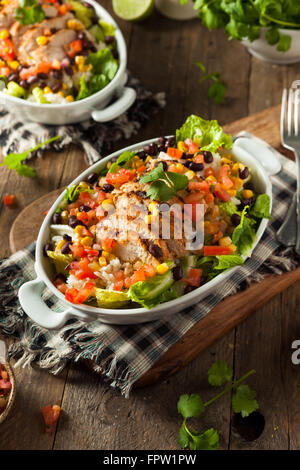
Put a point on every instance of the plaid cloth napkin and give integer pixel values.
(124, 353)
(95, 138)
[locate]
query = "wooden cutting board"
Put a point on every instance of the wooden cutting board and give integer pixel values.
(228, 313)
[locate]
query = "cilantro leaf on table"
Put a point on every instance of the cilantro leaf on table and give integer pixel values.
(208, 134)
(183, 437)
(209, 440)
(219, 373)
(29, 12)
(190, 405)
(13, 161)
(217, 89)
(164, 184)
(244, 400)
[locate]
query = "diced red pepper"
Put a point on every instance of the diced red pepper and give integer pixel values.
(194, 277)
(7, 51)
(9, 199)
(108, 244)
(121, 176)
(74, 47)
(216, 250)
(174, 152)
(51, 415)
(221, 193)
(224, 178)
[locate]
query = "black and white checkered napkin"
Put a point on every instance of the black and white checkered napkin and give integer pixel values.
(96, 139)
(123, 354)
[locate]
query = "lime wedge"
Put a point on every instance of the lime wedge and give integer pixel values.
(133, 10)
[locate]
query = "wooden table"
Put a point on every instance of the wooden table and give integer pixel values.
(162, 53)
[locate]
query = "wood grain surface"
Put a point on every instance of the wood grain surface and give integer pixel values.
(162, 54)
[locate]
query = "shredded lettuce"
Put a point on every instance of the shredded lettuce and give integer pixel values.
(38, 95)
(213, 265)
(83, 13)
(14, 89)
(111, 298)
(261, 208)
(60, 261)
(208, 134)
(154, 290)
(229, 207)
(107, 28)
(244, 234)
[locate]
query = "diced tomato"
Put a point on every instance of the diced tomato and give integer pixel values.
(74, 47)
(71, 293)
(194, 198)
(84, 293)
(216, 250)
(139, 276)
(224, 178)
(108, 244)
(119, 276)
(51, 415)
(174, 152)
(209, 172)
(63, 9)
(194, 277)
(5, 71)
(7, 51)
(9, 199)
(78, 251)
(121, 177)
(101, 196)
(60, 285)
(149, 270)
(92, 253)
(141, 169)
(199, 186)
(193, 148)
(83, 216)
(221, 193)
(199, 158)
(209, 198)
(118, 285)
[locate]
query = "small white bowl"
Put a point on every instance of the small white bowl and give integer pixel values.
(262, 50)
(30, 292)
(12, 394)
(96, 106)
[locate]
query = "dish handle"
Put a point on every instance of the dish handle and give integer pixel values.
(30, 297)
(125, 99)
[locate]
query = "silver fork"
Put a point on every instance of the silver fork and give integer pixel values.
(290, 138)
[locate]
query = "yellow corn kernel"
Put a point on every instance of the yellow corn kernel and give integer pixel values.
(148, 159)
(61, 93)
(226, 161)
(102, 261)
(162, 268)
(180, 167)
(228, 156)
(232, 192)
(235, 167)
(2, 63)
(4, 34)
(70, 98)
(64, 86)
(13, 64)
(75, 24)
(60, 244)
(87, 241)
(237, 182)
(47, 90)
(82, 68)
(107, 202)
(247, 193)
(147, 219)
(225, 241)
(105, 254)
(233, 248)
(79, 229)
(111, 257)
(181, 146)
(42, 40)
(190, 174)
(65, 217)
(79, 59)
(211, 179)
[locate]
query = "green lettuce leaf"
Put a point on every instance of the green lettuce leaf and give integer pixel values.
(103, 62)
(154, 290)
(244, 234)
(229, 207)
(208, 134)
(261, 208)
(83, 13)
(60, 261)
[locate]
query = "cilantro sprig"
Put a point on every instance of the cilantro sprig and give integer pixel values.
(243, 401)
(244, 19)
(217, 89)
(164, 184)
(29, 12)
(14, 161)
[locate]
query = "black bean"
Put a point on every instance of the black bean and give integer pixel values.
(92, 178)
(170, 142)
(56, 74)
(81, 35)
(47, 247)
(66, 62)
(53, 30)
(155, 250)
(189, 289)
(177, 273)
(32, 79)
(108, 188)
(141, 194)
(61, 277)
(84, 208)
(115, 53)
(164, 164)
(151, 149)
(109, 39)
(244, 173)
(69, 71)
(196, 166)
(235, 219)
(95, 20)
(142, 155)
(13, 77)
(208, 158)
(42, 76)
(67, 238)
(187, 163)
(56, 87)
(73, 221)
(56, 218)
(161, 141)
(24, 84)
(65, 249)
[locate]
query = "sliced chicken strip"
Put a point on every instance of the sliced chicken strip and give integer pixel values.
(7, 14)
(54, 49)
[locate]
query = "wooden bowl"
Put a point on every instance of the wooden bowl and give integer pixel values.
(12, 395)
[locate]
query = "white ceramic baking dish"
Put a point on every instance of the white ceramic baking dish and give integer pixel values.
(30, 292)
(96, 106)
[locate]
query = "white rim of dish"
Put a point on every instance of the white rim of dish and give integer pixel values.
(121, 46)
(138, 310)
